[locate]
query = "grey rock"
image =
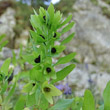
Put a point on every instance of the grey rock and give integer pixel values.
(100, 79)
(23, 39)
(7, 24)
(6, 53)
(92, 40)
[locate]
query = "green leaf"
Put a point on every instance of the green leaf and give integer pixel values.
(3, 44)
(56, 20)
(63, 73)
(66, 21)
(28, 87)
(31, 100)
(68, 39)
(28, 58)
(10, 94)
(51, 12)
(35, 21)
(106, 96)
(43, 102)
(5, 66)
(68, 27)
(62, 104)
(89, 103)
(14, 58)
(36, 37)
(66, 59)
(20, 103)
(1, 37)
(36, 74)
(4, 87)
(35, 11)
(77, 103)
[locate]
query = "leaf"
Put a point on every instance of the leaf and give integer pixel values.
(31, 100)
(63, 73)
(1, 37)
(89, 103)
(62, 104)
(36, 74)
(36, 37)
(43, 103)
(67, 28)
(14, 58)
(10, 94)
(4, 43)
(66, 21)
(51, 12)
(28, 58)
(106, 96)
(35, 21)
(4, 87)
(68, 39)
(56, 20)
(27, 88)
(20, 103)
(66, 59)
(35, 11)
(5, 66)
(77, 103)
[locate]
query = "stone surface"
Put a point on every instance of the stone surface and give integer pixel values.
(92, 39)
(7, 23)
(23, 39)
(6, 53)
(86, 76)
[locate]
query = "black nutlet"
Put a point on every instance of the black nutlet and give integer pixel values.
(37, 60)
(53, 50)
(48, 69)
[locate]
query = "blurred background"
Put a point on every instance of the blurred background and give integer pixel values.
(91, 42)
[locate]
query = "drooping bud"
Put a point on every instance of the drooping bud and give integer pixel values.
(37, 60)
(53, 50)
(48, 69)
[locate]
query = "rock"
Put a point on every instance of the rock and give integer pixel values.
(100, 79)
(7, 24)
(23, 39)
(4, 5)
(77, 79)
(6, 53)
(92, 39)
(84, 51)
(86, 76)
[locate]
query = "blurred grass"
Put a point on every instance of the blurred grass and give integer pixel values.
(107, 1)
(106, 11)
(95, 2)
(65, 6)
(22, 16)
